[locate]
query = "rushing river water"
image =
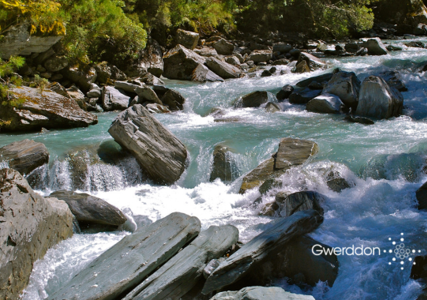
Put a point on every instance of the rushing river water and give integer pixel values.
(383, 162)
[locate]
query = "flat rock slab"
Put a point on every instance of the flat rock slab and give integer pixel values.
(29, 226)
(43, 110)
(157, 150)
(25, 156)
(251, 255)
(260, 293)
(179, 275)
(90, 209)
(292, 152)
(125, 265)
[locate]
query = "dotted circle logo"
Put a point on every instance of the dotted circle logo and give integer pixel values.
(401, 252)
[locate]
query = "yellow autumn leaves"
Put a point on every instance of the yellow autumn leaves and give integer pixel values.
(42, 13)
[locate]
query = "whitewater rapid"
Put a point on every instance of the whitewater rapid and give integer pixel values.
(384, 164)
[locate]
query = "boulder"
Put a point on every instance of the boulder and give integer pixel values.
(43, 109)
(113, 99)
(29, 226)
(284, 93)
(126, 86)
(421, 195)
(303, 96)
(19, 41)
(302, 67)
(336, 182)
(255, 253)
(223, 69)
(260, 293)
(180, 274)
(259, 56)
(325, 103)
(346, 86)
(223, 167)
(361, 120)
(188, 39)
(94, 92)
(312, 61)
(272, 107)
(147, 94)
(150, 79)
(152, 58)
(256, 99)
(206, 51)
(105, 72)
(375, 46)
(300, 201)
(322, 79)
(90, 209)
(174, 100)
(224, 47)
(24, 156)
(393, 79)
(203, 74)
(292, 152)
(157, 150)
(180, 63)
(82, 77)
(59, 89)
(132, 260)
(155, 108)
(378, 100)
(233, 60)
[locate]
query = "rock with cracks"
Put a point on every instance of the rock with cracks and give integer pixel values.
(179, 275)
(157, 150)
(252, 255)
(29, 226)
(131, 260)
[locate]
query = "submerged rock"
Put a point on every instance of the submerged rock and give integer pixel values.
(378, 100)
(255, 253)
(29, 226)
(180, 274)
(132, 260)
(43, 110)
(326, 103)
(292, 152)
(90, 209)
(24, 156)
(260, 293)
(180, 63)
(224, 167)
(272, 107)
(157, 150)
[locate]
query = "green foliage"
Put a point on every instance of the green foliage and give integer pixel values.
(40, 83)
(7, 78)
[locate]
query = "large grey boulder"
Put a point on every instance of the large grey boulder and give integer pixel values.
(19, 41)
(253, 254)
(326, 103)
(260, 293)
(303, 96)
(180, 274)
(292, 152)
(378, 100)
(129, 262)
(45, 109)
(29, 226)
(312, 61)
(224, 47)
(90, 209)
(128, 87)
(157, 150)
(188, 39)
(222, 69)
(114, 99)
(24, 156)
(256, 99)
(258, 56)
(203, 74)
(223, 167)
(375, 46)
(346, 86)
(180, 63)
(147, 94)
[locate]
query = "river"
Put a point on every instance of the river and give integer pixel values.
(382, 162)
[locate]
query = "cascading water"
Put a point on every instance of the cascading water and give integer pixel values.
(384, 165)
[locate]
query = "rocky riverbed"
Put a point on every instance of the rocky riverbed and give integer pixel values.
(256, 169)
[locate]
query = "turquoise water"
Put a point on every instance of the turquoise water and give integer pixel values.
(383, 162)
